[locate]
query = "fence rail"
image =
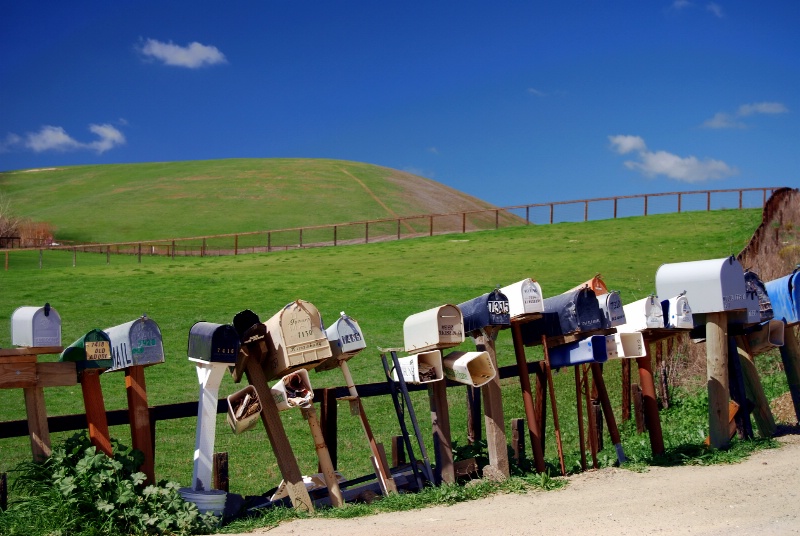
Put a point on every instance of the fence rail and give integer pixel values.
(362, 232)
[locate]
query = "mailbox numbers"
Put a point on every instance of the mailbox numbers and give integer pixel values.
(97, 350)
(349, 338)
(221, 350)
(498, 307)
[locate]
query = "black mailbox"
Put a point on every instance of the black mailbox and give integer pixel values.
(213, 343)
(570, 312)
(754, 285)
(491, 309)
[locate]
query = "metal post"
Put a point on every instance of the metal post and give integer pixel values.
(586, 210)
(645, 205)
(551, 213)
(680, 196)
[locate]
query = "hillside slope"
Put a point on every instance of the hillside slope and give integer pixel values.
(179, 199)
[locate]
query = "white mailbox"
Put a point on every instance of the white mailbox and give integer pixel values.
(471, 368)
(295, 340)
(612, 309)
(135, 343)
(524, 298)
(642, 314)
(625, 345)
(435, 329)
(712, 286)
(424, 367)
(346, 340)
(36, 326)
(677, 312)
(293, 391)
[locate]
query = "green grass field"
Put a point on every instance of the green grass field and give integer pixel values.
(377, 284)
(131, 202)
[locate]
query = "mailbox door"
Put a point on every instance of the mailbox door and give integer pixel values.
(784, 294)
(36, 326)
(244, 320)
(491, 309)
(524, 297)
(754, 285)
(348, 336)
(611, 306)
(215, 343)
(91, 351)
(676, 313)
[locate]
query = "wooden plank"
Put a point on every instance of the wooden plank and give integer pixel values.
(287, 463)
(649, 402)
(626, 390)
(398, 451)
(57, 374)
(638, 409)
(95, 411)
(762, 413)
(579, 407)
(493, 414)
(328, 472)
(440, 421)
(518, 440)
(19, 373)
(531, 415)
(31, 350)
(139, 415)
(717, 378)
(37, 423)
(221, 480)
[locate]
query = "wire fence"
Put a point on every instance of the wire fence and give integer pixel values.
(363, 232)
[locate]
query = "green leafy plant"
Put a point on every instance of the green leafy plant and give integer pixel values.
(78, 490)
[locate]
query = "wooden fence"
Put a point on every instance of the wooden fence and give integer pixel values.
(362, 232)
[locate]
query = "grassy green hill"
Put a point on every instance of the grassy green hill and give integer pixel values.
(379, 285)
(127, 202)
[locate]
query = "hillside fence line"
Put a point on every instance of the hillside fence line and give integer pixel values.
(367, 231)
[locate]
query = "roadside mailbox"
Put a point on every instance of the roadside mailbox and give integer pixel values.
(524, 298)
(784, 294)
(712, 286)
(471, 368)
(345, 339)
(573, 311)
(756, 287)
(91, 351)
(293, 391)
(642, 314)
(425, 367)
(135, 343)
(213, 343)
(295, 340)
(435, 329)
(611, 308)
(589, 350)
(677, 312)
(36, 326)
(490, 309)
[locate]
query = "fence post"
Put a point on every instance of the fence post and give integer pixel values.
(496, 219)
(236, 244)
(398, 228)
(74, 256)
(40, 259)
(269, 241)
(615, 208)
(140, 253)
(680, 196)
(301, 237)
(586, 210)
(108, 254)
(366, 232)
(708, 201)
(203, 248)
(430, 232)
(335, 230)
(645, 205)
(527, 215)
(173, 250)
(551, 213)
(463, 222)
(740, 200)
(764, 200)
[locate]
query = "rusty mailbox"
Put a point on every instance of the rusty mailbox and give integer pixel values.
(435, 329)
(524, 298)
(135, 343)
(784, 293)
(36, 326)
(712, 286)
(490, 309)
(295, 340)
(213, 343)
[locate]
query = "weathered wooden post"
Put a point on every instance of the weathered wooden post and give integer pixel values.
(484, 317)
(91, 354)
(135, 345)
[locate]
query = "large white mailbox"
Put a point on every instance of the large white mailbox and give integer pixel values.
(435, 329)
(36, 326)
(712, 286)
(524, 298)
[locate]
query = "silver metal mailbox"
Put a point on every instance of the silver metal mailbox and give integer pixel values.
(642, 314)
(712, 286)
(295, 340)
(346, 340)
(524, 298)
(611, 307)
(784, 294)
(36, 326)
(677, 312)
(435, 329)
(213, 343)
(135, 343)
(589, 350)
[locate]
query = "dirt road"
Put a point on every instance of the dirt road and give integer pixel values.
(758, 496)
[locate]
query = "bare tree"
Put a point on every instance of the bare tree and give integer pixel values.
(9, 224)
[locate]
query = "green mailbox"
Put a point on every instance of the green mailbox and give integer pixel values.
(91, 351)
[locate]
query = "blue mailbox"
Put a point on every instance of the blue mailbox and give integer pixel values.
(491, 309)
(573, 311)
(590, 350)
(213, 343)
(784, 294)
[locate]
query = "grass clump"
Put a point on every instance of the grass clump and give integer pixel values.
(80, 491)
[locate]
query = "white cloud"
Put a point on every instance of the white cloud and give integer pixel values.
(192, 56)
(726, 120)
(715, 9)
(536, 92)
(652, 163)
(433, 150)
(625, 144)
(51, 138)
(680, 4)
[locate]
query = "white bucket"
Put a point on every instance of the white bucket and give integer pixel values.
(411, 366)
(470, 368)
(207, 501)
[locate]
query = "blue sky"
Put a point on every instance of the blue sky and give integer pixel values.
(514, 102)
